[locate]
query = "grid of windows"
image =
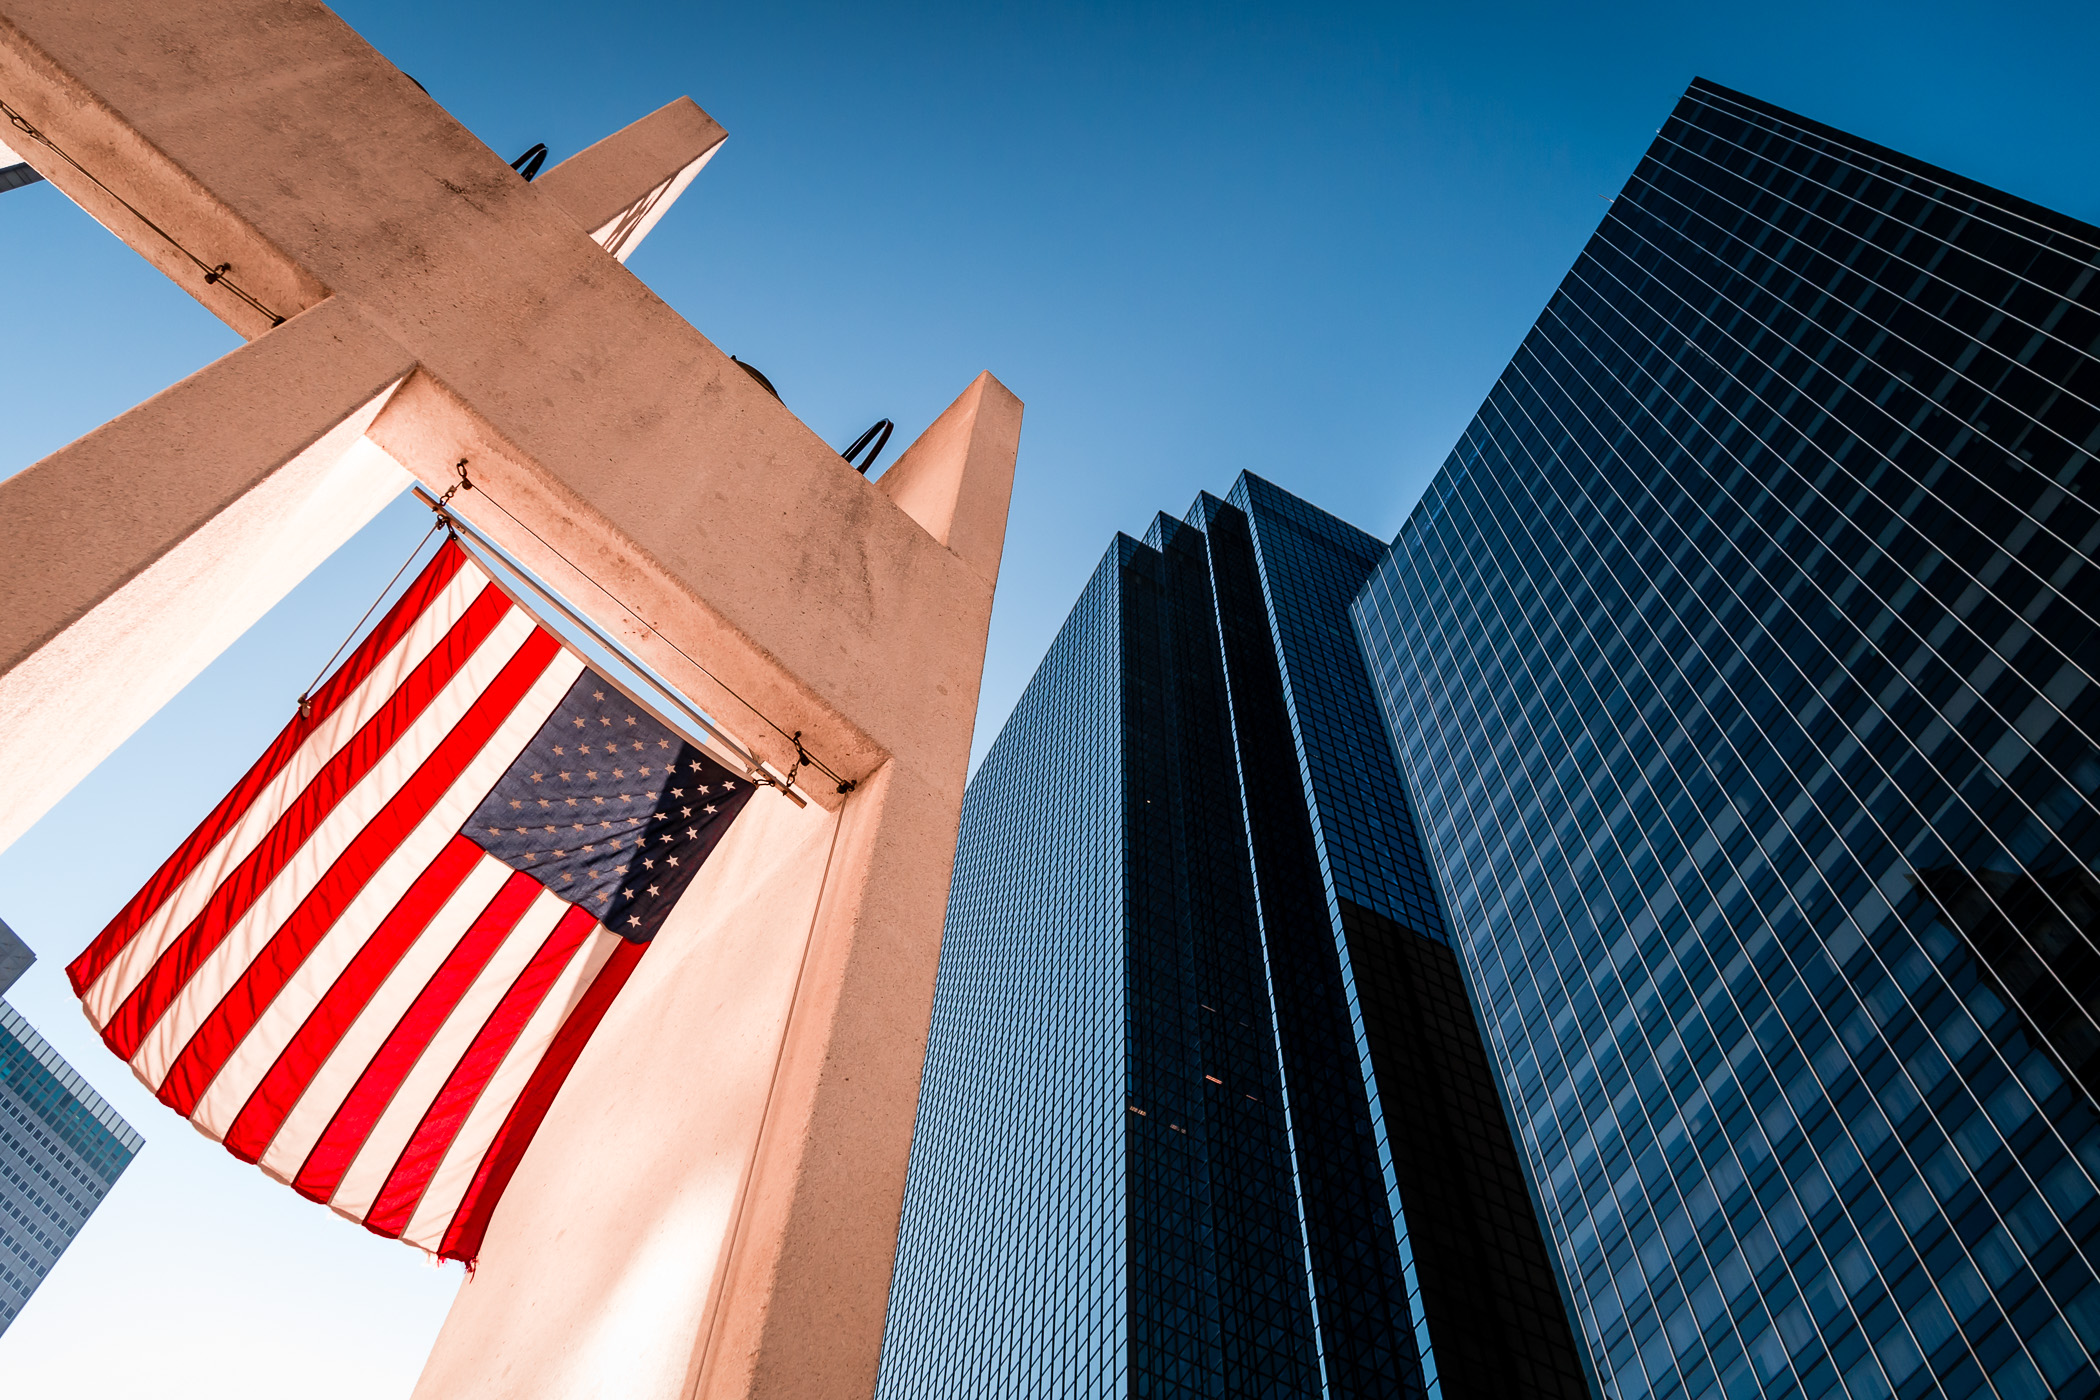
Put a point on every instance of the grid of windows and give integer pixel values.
(1356, 1242)
(1197, 1032)
(61, 1149)
(1009, 1278)
(1312, 566)
(1741, 664)
(1487, 1316)
(15, 957)
(1219, 1296)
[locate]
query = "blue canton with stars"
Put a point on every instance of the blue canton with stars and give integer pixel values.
(609, 809)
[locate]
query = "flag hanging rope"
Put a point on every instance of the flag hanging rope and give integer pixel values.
(306, 704)
(212, 274)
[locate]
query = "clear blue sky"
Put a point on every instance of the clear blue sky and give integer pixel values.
(1195, 239)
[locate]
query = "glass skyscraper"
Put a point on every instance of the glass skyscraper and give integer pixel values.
(1205, 1109)
(1742, 664)
(61, 1147)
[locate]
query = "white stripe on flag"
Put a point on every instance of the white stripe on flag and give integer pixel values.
(339, 1074)
(246, 939)
(360, 1044)
(463, 1158)
(382, 1147)
(184, 903)
(278, 1025)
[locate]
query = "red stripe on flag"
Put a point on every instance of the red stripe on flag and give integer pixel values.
(215, 1040)
(500, 1163)
(330, 1160)
(396, 1202)
(437, 575)
(301, 1059)
(179, 961)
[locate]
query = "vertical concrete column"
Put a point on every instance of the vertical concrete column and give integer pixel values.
(957, 480)
(131, 558)
(798, 1306)
(711, 1207)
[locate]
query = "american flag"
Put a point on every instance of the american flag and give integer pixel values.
(371, 968)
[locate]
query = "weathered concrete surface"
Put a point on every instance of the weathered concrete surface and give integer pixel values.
(949, 482)
(578, 392)
(804, 1286)
(760, 1121)
(132, 557)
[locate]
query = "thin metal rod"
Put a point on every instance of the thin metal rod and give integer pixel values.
(714, 742)
(496, 562)
(306, 695)
(802, 755)
(212, 274)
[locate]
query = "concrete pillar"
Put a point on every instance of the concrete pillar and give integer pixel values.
(711, 1206)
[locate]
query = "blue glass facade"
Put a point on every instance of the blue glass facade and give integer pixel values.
(1741, 661)
(1205, 1111)
(61, 1148)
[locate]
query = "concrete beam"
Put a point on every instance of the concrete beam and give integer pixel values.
(596, 409)
(620, 187)
(132, 557)
(141, 193)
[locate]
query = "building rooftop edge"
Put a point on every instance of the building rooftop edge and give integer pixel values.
(17, 1025)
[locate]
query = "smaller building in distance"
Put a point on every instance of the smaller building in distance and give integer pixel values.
(61, 1147)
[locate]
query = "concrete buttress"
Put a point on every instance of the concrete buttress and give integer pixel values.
(711, 1207)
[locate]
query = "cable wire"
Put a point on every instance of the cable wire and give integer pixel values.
(306, 702)
(803, 757)
(213, 276)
